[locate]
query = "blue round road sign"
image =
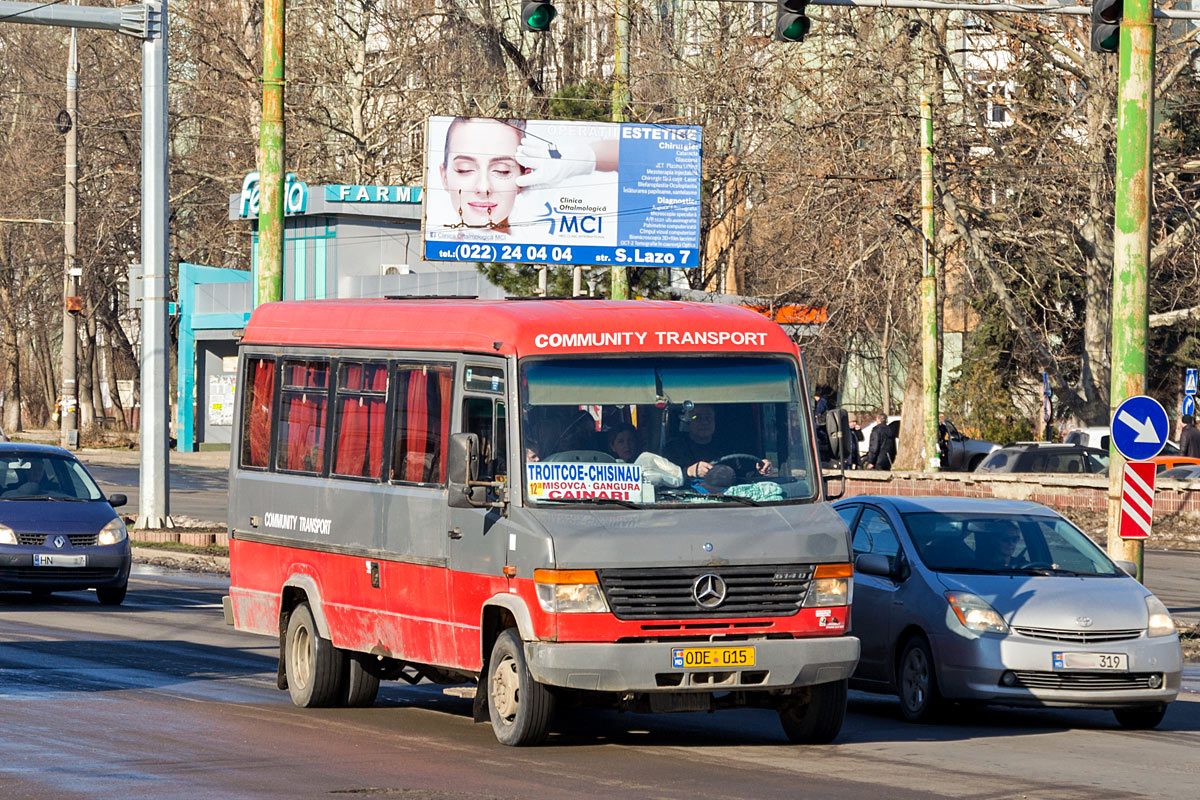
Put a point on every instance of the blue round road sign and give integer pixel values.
(1139, 428)
(1189, 404)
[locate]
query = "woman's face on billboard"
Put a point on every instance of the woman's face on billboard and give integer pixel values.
(480, 171)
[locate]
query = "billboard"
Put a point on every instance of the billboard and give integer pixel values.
(562, 192)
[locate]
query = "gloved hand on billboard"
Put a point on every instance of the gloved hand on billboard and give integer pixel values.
(549, 165)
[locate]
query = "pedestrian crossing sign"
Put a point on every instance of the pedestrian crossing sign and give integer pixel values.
(1189, 382)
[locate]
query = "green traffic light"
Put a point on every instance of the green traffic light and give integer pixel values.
(1112, 42)
(797, 29)
(540, 18)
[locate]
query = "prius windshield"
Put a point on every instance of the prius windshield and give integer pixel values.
(632, 432)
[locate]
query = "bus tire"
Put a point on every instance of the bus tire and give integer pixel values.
(819, 720)
(361, 686)
(314, 665)
(519, 707)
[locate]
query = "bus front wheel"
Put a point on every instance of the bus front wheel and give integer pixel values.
(520, 708)
(818, 720)
(314, 665)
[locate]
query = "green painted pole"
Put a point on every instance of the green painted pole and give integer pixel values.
(271, 149)
(1131, 241)
(620, 105)
(929, 321)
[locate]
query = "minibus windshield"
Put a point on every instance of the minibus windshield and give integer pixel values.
(698, 428)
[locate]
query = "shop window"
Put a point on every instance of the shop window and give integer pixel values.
(423, 396)
(256, 412)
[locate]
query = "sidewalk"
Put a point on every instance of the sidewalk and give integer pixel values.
(128, 456)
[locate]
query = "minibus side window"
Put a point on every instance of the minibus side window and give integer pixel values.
(302, 410)
(424, 393)
(256, 412)
(360, 411)
(485, 417)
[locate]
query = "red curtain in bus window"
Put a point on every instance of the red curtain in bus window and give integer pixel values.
(416, 420)
(354, 425)
(444, 378)
(258, 411)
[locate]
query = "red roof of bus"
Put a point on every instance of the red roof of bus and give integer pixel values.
(524, 327)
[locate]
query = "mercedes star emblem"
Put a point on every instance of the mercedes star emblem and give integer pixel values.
(709, 590)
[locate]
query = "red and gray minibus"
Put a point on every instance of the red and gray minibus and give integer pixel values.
(562, 502)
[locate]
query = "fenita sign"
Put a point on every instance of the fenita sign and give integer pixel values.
(555, 192)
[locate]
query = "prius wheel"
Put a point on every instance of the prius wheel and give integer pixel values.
(520, 708)
(314, 665)
(1140, 719)
(919, 697)
(819, 719)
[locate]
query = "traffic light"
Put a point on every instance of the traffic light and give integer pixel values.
(536, 15)
(1106, 25)
(790, 23)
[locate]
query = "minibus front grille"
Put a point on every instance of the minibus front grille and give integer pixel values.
(667, 592)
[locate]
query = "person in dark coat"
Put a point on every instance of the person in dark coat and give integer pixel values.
(1189, 437)
(883, 445)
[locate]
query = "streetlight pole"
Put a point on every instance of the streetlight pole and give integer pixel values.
(68, 418)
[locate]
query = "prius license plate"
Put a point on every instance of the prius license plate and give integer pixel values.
(1102, 661)
(711, 657)
(57, 560)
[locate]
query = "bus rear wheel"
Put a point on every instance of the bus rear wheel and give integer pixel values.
(520, 708)
(314, 665)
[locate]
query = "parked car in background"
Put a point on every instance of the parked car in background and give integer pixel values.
(1046, 457)
(1185, 473)
(1003, 602)
(58, 532)
(1163, 463)
(960, 453)
(1098, 437)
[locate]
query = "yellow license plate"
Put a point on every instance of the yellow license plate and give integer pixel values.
(711, 657)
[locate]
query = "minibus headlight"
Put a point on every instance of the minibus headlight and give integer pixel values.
(975, 613)
(113, 532)
(7, 536)
(1159, 622)
(569, 591)
(831, 586)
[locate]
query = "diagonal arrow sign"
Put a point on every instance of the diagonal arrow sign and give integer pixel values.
(1145, 430)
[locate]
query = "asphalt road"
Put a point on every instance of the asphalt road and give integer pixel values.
(160, 699)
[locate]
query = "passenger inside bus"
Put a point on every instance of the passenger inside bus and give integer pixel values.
(622, 442)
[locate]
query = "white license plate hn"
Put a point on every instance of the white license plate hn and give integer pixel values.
(57, 560)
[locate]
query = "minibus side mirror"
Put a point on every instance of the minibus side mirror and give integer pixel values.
(462, 468)
(829, 479)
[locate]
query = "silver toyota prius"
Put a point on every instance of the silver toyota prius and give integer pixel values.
(997, 601)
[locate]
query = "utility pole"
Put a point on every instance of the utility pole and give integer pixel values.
(271, 147)
(620, 106)
(68, 419)
(1131, 241)
(929, 306)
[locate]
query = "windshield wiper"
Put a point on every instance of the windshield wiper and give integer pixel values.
(1036, 571)
(728, 498)
(594, 501)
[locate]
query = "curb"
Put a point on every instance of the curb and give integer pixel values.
(193, 562)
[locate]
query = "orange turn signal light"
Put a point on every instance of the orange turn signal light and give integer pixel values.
(834, 571)
(563, 576)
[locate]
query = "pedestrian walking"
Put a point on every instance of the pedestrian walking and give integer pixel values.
(1189, 437)
(883, 444)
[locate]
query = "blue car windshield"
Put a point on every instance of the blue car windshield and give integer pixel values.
(648, 431)
(37, 476)
(1005, 544)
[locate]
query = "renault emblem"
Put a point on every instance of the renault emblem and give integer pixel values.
(1084, 622)
(709, 590)
(59, 541)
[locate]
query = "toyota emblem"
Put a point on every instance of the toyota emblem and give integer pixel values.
(1084, 622)
(59, 541)
(709, 590)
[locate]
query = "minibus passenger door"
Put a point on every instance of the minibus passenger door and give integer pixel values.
(479, 536)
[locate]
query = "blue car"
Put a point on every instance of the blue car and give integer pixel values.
(1004, 602)
(58, 532)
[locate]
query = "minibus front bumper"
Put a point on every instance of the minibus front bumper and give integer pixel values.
(648, 667)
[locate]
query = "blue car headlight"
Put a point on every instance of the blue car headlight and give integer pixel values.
(7, 536)
(113, 532)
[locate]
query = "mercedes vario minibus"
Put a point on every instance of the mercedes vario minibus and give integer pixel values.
(561, 502)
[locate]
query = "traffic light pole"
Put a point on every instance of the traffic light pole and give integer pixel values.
(1131, 241)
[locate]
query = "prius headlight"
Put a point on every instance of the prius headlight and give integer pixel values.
(975, 613)
(1159, 622)
(7, 536)
(113, 532)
